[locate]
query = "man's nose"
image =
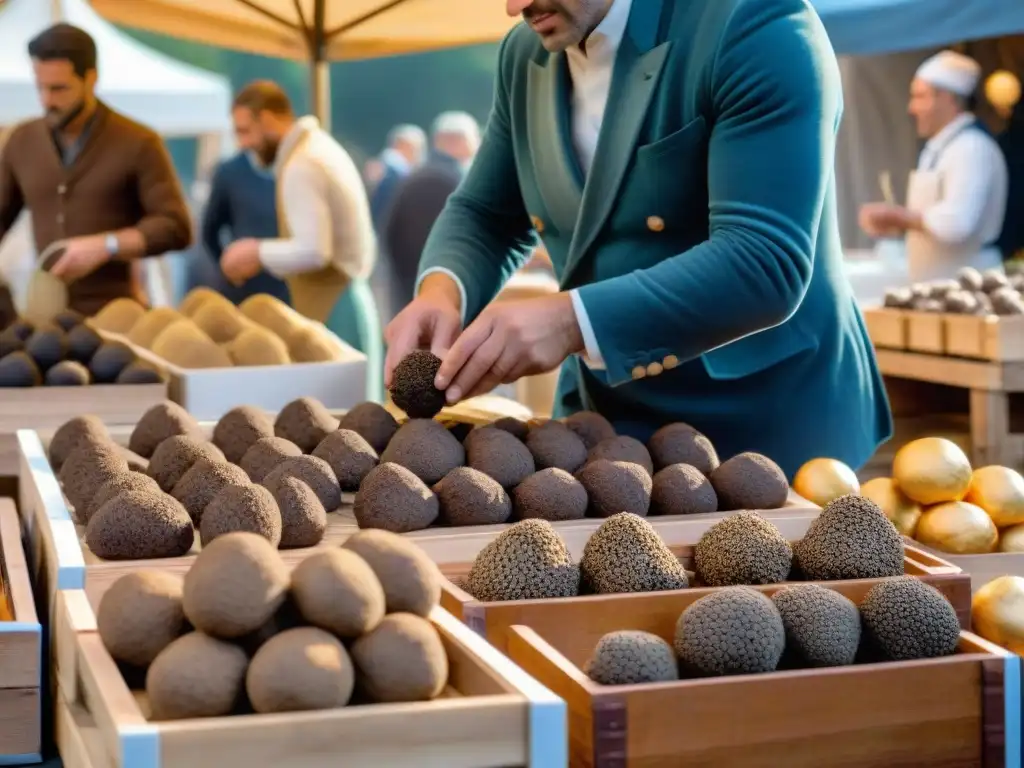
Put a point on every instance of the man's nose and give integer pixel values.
(516, 7)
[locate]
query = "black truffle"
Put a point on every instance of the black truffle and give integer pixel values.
(680, 443)
(314, 472)
(626, 554)
(10, 342)
(555, 445)
(616, 486)
(630, 657)
(373, 422)
(623, 448)
(109, 361)
(47, 347)
(87, 468)
(850, 539)
(204, 480)
(74, 433)
(349, 455)
(500, 455)
(750, 481)
(250, 508)
(906, 619)
(681, 489)
(175, 456)
(527, 561)
(822, 626)
(126, 481)
(518, 428)
(67, 373)
(83, 342)
(469, 497)
(412, 385)
(19, 370)
(239, 429)
(426, 448)
(139, 373)
(140, 525)
(394, 499)
(460, 430)
(303, 518)
(591, 427)
(265, 455)
(160, 422)
(305, 422)
(551, 494)
(744, 548)
(67, 319)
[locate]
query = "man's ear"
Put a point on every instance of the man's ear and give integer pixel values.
(91, 77)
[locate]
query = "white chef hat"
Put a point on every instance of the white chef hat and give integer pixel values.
(951, 71)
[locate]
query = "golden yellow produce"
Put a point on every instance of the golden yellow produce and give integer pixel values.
(958, 528)
(932, 470)
(821, 480)
(997, 612)
(1000, 492)
(1012, 539)
(902, 511)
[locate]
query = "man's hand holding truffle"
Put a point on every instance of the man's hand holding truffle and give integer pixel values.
(509, 340)
(432, 319)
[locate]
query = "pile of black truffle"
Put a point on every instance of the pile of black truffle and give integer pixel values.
(851, 539)
(553, 470)
(991, 292)
(743, 631)
(66, 353)
(240, 634)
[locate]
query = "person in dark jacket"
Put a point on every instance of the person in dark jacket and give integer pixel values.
(403, 154)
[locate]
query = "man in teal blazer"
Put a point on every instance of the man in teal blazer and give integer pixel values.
(691, 221)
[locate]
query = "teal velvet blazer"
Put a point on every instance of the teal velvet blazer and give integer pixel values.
(704, 241)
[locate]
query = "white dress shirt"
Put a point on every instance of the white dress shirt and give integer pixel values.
(590, 68)
(325, 208)
(975, 185)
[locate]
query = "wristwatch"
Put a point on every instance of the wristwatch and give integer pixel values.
(113, 246)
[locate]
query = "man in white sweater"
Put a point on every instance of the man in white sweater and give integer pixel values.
(327, 248)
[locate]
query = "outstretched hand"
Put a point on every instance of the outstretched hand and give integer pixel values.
(433, 318)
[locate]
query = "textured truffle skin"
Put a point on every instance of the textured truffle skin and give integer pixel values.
(735, 631)
(551, 494)
(626, 555)
(140, 615)
(126, 481)
(300, 669)
(591, 427)
(373, 422)
(682, 489)
(204, 480)
(750, 481)
(412, 385)
(469, 497)
(305, 422)
(402, 659)
(528, 561)
(616, 486)
(411, 580)
(906, 619)
(680, 443)
(338, 591)
(175, 456)
(744, 548)
(518, 428)
(850, 539)
(239, 429)
(72, 434)
(394, 499)
(822, 626)
(314, 472)
(196, 676)
(137, 525)
(555, 445)
(349, 455)
(500, 455)
(249, 508)
(67, 373)
(139, 373)
(630, 657)
(157, 424)
(265, 455)
(86, 469)
(622, 448)
(235, 586)
(303, 517)
(426, 448)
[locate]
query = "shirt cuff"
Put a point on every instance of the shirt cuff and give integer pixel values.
(282, 259)
(592, 358)
(455, 278)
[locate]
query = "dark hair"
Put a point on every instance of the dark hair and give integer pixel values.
(264, 96)
(63, 42)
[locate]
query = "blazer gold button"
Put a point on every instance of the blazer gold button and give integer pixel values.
(639, 372)
(537, 223)
(670, 362)
(654, 369)
(655, 223)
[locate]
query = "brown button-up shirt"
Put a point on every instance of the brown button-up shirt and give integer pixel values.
(121, 178)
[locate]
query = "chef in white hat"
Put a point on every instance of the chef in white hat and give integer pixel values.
(956, 198)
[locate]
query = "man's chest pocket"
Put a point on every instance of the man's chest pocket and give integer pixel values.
(667, 183)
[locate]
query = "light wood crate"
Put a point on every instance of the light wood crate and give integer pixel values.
(961, 710)
(886, 327)
(493, 619)
(21, 650)
(926, 332)
(491, 715)
(1000, 339)
(981, 568)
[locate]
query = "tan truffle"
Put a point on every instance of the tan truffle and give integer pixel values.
(140, 615)
(338, 591)
(86, 469)
(623, 448)
(239, 429)
(249, 508)
(394, 499)
(196, 676)
(256, 345)
(222, 322)
(74, 433)
(403, 659)
(175, 456)
(349, 455)
(137, 525)
(305, 422)
(411, 580)
(185, 345)
(426, 448)
(160, 422)
(119, 316)
(150, 325)
(125, 481)
(303, 518)
(300, 669)
(314, 472)
(204, 480)
(265, 455)
(373, 422)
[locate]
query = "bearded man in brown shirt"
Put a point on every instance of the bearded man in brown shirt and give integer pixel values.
(91, 177)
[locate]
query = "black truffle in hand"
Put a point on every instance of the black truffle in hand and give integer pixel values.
(412, 385)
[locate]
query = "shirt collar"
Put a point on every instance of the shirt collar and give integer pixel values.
(603, 42)
(302, 126)
(953, 127)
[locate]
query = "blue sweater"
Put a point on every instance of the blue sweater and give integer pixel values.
(242, 204)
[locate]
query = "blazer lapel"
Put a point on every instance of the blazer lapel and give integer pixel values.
(637, 71)
(555, 167)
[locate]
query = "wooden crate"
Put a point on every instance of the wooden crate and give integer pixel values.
(1000, 339)
(21, 650)
(491, 715)
(981, 568)
(961, 710)
(886, 327)
(926, 332)
(493, 619)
